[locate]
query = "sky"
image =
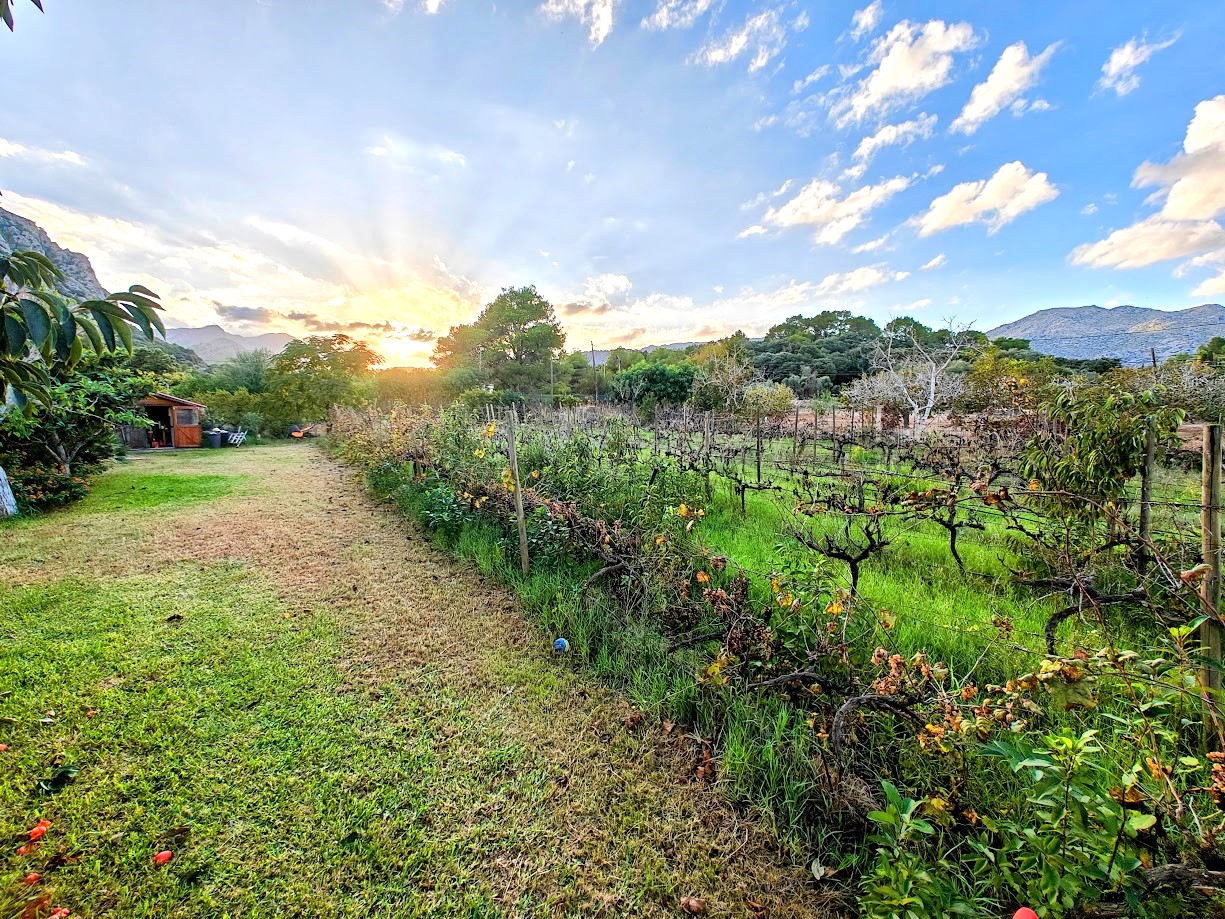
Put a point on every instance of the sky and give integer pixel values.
(661, 170)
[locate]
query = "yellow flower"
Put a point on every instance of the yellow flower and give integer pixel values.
(491, 429)
(835, 608)
(682, 511)
(703, 577)
(479, 454)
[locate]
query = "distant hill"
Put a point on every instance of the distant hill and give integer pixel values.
(215, 345)
(1126, 332)
(79, 282)
(601, 355)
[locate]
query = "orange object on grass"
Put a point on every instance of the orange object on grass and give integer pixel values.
(1025, 913)
(162, 857)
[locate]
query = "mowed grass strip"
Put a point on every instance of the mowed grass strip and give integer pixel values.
(319, 715)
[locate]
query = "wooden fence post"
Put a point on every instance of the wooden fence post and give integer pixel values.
(1146, 495)
(1210, 588)
(795, 437)
(513, 456)
(759, 449)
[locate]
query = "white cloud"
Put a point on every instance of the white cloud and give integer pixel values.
(911, 62)
(904, 133)
(918, 305)
(431, 7)
(1191, 189)
(393, 6)
(872, 245)
(1012, 191)
(755, 230)
(1210, 286)
(1119, 71)
(938, 262)
(597, 14)
(818, 204)
(818, 74)
(610, 289)
(414, 155)
(763, 35)
(1089, 209)
(865, 21)
(1013, 74)
(1193, 183)
(762, 197)
(858, 279)
(764, 122)
(676, 14)
(12, 150)
(1150, 241)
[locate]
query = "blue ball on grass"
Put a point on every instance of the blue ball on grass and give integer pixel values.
(561, 646)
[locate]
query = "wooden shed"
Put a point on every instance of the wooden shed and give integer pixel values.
(175, 423)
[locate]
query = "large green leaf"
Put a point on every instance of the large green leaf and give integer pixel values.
(38, 323)
(91, 332)
(105, 327)
(15, 340)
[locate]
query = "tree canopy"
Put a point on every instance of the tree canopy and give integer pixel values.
(511, 343)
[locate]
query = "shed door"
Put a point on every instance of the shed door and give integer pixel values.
(186, 427)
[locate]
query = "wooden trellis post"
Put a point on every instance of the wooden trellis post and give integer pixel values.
(1146, 495)
(1209, 632)
(513, 456)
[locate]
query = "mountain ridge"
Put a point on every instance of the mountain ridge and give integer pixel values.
(1131, 333)
(215, 345)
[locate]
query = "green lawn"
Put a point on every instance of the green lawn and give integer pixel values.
(320, 716)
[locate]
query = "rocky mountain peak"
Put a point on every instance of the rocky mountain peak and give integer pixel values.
(80, 282)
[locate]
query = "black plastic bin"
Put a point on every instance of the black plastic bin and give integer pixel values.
(214, 438)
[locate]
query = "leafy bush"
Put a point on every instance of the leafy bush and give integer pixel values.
(46, 488)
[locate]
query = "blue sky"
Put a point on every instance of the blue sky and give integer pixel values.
(662, 170)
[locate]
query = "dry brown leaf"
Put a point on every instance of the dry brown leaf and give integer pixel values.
(695, 906)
